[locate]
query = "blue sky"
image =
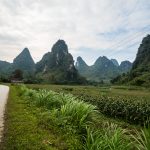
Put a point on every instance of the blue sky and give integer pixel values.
(91, 28)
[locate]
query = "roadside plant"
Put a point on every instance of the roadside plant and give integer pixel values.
(142, 139)
(111, 137)
(76, 113)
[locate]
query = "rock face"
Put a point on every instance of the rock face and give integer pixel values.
(82, 67)
(103, 68)
(115, 62)
(58, 65)
(125, 66)
(140, 72)
(24, 61)
(143, 55)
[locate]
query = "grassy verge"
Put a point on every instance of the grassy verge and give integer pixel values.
(23, 129)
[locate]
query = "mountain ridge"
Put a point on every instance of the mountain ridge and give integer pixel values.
(58, 66)
(102, 69)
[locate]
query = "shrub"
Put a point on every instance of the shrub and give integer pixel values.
(110, 137)
(76, 113)
(142, 139)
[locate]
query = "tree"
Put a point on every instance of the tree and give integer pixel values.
(17, 74)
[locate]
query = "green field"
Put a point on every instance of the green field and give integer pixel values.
(53, 117)
(138, 92)
(117, 99)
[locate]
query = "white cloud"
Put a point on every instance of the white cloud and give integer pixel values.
(104, 27)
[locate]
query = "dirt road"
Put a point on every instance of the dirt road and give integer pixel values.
(4, 90)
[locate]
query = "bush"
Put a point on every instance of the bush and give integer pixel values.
(142, 139)
(110, 137)
(76, 113)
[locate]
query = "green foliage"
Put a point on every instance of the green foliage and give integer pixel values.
(22, 129)
(109, 137)
(142, 139)
(76, 113)
(80, 119)
(128, 109)
(48, 99)
(66, 106)
(93, 140)
(127, 103)
(17, 75)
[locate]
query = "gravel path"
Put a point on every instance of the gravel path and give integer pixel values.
(4, 90)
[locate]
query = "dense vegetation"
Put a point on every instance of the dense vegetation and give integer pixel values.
(38, 119)
(23, 128)
(130, 108)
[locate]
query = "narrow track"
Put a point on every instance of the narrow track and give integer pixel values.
(4, 90)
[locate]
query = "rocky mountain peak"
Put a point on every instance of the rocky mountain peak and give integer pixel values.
(115, 62)
(26, 50)
(80, 62)
(81, 66)
(103, 61)
(58, 65)
(25, 54)
(125, 66)
(60, 47)
(24, 61)
(125, 63)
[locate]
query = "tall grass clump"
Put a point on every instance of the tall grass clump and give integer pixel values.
(65, 108)
(43, 98)
(110, 137)
(93, 140)
(27, 92)
(142, 139)
(76, 113)
(48, 99)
